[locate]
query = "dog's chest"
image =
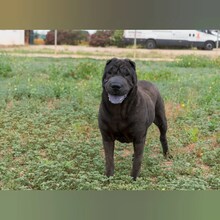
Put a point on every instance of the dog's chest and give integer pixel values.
(122, 131)
(123, 138)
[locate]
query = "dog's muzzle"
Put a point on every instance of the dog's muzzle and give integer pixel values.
(116, 89)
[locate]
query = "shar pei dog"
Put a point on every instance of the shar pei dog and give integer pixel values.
(128, 107)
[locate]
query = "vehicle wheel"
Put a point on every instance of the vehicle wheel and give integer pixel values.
(209, 45)
(151, 44)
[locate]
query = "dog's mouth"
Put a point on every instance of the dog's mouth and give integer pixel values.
(116, 99)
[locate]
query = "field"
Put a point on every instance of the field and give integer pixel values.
(49, 137)
(105, 52)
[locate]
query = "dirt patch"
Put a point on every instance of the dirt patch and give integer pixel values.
(205, 168)
(168, 165)
(192, 149)
(9, 105)
(173, 110)
(19, 160)
(43, 153)
(127, 152)
(102, 153)
(154, 179)
(214, 141)
(52, 103)
(23, 140)
(188, 149)
(124, 153)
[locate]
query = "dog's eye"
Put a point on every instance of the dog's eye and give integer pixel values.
(127, 74)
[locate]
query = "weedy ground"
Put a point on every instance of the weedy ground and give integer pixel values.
(49, 137)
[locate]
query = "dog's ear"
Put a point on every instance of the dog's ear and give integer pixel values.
(133, 66)
(132, 63)
(109, 61)
(106, 67)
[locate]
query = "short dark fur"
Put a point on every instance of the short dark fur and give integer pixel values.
(129, 121)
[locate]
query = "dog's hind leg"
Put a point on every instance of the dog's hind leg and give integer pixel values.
(161, 122)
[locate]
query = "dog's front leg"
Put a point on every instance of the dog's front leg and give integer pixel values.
(109, 157)
(137, 158)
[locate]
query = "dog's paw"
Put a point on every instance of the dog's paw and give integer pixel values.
(168, 156)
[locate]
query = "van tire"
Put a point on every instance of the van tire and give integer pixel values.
(209, 45)
(151, 44)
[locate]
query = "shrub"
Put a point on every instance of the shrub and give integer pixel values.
(39, 41)
(49, 37)
(101, 39)
(72, 37)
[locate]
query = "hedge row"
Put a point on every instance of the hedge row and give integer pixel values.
(98, 39)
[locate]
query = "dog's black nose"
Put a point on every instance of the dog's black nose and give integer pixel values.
(116, 86)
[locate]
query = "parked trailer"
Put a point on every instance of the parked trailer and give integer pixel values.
(173, 38)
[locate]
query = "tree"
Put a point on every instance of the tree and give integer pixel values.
(118, 38)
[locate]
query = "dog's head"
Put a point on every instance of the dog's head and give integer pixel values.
(119, 79)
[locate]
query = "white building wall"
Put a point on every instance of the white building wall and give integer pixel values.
(12, 37)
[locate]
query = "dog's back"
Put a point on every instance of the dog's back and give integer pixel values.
(150, 89)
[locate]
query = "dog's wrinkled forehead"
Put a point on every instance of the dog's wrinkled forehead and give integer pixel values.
(115, 65)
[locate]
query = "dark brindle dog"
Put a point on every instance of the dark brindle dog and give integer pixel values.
(127, 109)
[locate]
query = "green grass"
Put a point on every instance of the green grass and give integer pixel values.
(196, 61)
(49, 137)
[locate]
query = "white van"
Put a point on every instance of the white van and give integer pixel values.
(178, 38)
